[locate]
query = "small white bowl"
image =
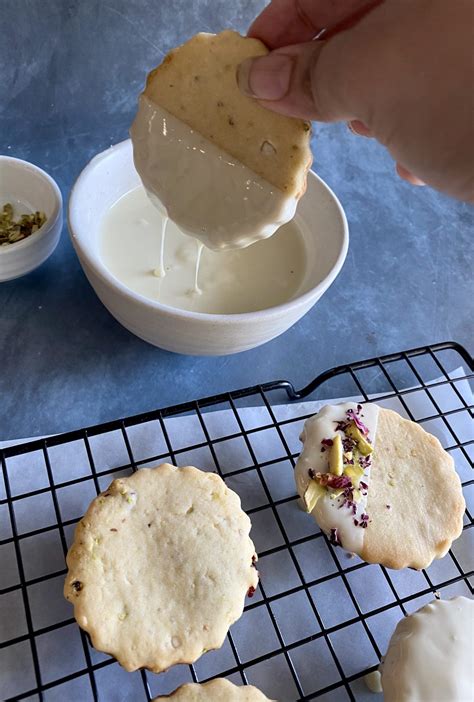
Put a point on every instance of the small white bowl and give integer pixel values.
(23, 183)
(110, 175)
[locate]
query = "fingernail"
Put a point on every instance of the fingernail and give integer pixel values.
(409, 176)
(267, 77)
(359, 128)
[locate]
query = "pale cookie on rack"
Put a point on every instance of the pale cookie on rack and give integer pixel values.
(379, 485)
(217, 690)
(226, 169)
(160, 567)
(431, 654)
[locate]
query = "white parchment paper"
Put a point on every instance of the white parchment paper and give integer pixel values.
(60, 651)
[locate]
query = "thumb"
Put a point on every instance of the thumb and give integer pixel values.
(305, 80)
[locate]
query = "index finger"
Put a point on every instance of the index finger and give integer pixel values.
(285, 22)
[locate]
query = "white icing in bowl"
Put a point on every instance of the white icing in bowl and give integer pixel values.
(109, 176)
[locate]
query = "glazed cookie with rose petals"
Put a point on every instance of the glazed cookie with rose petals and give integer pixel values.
(379, 485)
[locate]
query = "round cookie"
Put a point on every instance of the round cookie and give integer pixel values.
(160, 566)
(226, 170)
(379, 485)
(196, 82)
(218, 690)
(431, 653)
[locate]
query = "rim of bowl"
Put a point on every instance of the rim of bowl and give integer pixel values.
(108, 277)
(51, 221)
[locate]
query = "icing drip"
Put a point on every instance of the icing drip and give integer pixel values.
(160, 271)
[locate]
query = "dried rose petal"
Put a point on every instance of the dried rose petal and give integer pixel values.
(348, 444)
(335, 482)
(357, 421)
(342, 425)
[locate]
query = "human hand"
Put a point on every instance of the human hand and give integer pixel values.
(401, 71)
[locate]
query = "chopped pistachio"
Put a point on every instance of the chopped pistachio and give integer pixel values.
(336, 465)
(129, 496)
(363, 445)
(355, 473)
(12, 230)
(267, 149)
(313, 492)
(123, 615)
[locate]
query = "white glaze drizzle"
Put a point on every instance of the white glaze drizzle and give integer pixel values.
(227, 282)
(197, 290)
(330, 512)
(209, 194)
(373, 681)
(430, 657)
(160, 271)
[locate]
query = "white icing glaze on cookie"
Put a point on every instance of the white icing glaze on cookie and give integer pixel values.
(209, 194)
(331, 512)
(430, 657)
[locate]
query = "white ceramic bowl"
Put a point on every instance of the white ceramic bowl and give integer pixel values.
(22, 182)
(110, 175)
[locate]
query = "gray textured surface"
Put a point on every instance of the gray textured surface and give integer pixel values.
(71, 72)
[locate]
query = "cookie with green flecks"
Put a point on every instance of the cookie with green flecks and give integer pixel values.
(160, 567)
(218, 690)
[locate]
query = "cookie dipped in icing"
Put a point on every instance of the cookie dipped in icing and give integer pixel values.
(225, 169)
(379, 485)
(431, 654)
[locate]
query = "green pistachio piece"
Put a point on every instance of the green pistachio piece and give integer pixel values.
(355, 473)
(336, 464)
(313, 492)
(362, 444)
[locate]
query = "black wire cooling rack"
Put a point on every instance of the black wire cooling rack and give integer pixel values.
(319, 621)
